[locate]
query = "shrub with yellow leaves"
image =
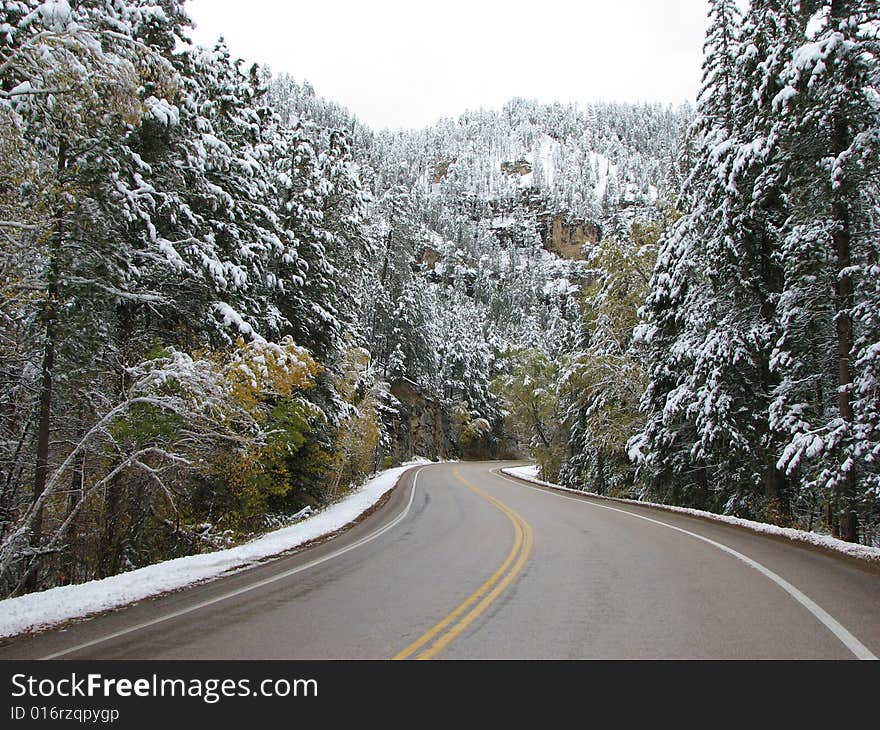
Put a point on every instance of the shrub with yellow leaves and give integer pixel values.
(262, 371)
(268, 380)
(360, 433)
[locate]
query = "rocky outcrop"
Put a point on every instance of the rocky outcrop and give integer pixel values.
(421, 427)
(567, 238)
(519, 167)
(429, 258)
(441, 170)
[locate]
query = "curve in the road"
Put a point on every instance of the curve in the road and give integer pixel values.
(833, 625)
(467, 612)
(593, 583)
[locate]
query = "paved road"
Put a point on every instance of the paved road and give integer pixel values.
(463, 563)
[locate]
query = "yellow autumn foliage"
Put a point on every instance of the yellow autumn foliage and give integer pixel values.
(358, 436)
(260, 370)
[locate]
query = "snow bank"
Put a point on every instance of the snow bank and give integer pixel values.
(529, 473)
(41, 610)
(825, 542)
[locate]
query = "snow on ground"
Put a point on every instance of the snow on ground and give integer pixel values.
(529, 473)
(543, 155)
(36, 611)
(605, 169)
(861, 552)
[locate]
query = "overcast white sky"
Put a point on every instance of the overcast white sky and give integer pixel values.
(407, 64)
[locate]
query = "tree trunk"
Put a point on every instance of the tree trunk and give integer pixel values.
(600, 473)
(845, 490)
(71, 559)
(840, 142)
(113, 532)
(701, 481)
(775, 505)
(50, 324)
(382, 351)
(388, 243)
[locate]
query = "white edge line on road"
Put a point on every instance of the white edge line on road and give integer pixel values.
(253, 586)
(849, 641)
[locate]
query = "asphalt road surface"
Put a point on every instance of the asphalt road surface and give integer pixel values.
(463, 563)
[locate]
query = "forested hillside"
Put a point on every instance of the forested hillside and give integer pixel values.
(224, 299)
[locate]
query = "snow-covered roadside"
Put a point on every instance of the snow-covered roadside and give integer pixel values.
(825, 542)
(54, 606)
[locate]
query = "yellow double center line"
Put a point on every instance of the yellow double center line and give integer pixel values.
(432, 642)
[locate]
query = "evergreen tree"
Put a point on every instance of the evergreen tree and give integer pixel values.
(719, 63)
(827, 123)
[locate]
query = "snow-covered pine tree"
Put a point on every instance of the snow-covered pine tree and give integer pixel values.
(827, 123)
(719, 63)
(681, 308)
(733, 377)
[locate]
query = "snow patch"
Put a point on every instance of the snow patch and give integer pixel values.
(232, 318)
(163, 112)
(55, 14)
